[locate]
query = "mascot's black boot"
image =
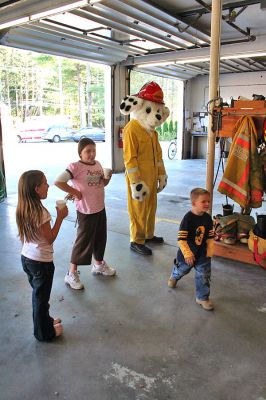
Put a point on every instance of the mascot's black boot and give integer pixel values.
(155, 239)
(140, 249)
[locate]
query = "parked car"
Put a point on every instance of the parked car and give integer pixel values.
(57, 133)
(96, 134)
(24, 135)
(34, 127)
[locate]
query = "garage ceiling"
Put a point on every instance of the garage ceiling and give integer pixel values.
(166, 37)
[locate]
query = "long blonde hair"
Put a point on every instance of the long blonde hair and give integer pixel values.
(29, 208)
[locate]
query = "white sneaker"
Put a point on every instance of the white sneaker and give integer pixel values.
(72, 280)
(103, 269)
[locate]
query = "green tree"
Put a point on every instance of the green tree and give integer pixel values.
(40, 84)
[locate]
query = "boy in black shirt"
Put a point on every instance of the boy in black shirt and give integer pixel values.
(195, 239)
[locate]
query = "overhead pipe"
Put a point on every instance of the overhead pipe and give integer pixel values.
(245, 33)
(227, 6)
(237, 41)
(213, 91)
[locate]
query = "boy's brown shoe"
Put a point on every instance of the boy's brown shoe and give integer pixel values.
(206, 304)
(172, 283)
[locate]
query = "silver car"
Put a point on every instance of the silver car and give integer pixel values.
(57, 133)
(94, 133)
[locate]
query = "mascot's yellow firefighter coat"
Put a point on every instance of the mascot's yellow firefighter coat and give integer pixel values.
(145, 172)
(143, 162)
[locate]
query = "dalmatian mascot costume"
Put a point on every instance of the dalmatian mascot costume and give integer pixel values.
(145, 172)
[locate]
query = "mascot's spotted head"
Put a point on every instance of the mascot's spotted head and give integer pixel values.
(147, 106)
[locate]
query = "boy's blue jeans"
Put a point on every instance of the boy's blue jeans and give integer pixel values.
(40, 276)
(202, 268)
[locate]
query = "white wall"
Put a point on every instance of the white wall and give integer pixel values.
(243, 84)
(231, 85)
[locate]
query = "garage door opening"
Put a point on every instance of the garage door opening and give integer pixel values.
(48, 104)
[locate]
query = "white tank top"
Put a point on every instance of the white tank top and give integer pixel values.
(40, 250)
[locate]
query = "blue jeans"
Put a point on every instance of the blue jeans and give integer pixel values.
(40, 276)
(202, 275)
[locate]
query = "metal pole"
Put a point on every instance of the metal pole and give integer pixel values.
(216, 16)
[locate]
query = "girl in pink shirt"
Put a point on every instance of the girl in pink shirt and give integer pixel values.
(87, 189)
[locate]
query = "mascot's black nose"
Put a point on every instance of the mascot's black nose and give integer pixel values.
(158, 116)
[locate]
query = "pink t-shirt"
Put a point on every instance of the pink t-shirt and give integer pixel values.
(88, 179)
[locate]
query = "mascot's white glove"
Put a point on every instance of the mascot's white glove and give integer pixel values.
(139, 191)
(162, 182)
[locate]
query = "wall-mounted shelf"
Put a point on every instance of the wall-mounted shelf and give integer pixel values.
(230, 115)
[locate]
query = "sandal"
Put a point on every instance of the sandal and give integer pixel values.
(57, 321)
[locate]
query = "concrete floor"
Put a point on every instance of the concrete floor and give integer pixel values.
(131, 337)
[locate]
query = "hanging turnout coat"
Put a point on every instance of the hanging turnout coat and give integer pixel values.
(242, 180)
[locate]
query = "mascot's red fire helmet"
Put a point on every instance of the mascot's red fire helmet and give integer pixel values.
(151, 91)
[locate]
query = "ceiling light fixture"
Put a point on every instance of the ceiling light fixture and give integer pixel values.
(155, 64)
(193, 60)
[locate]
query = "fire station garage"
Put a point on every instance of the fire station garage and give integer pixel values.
(132, 335)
